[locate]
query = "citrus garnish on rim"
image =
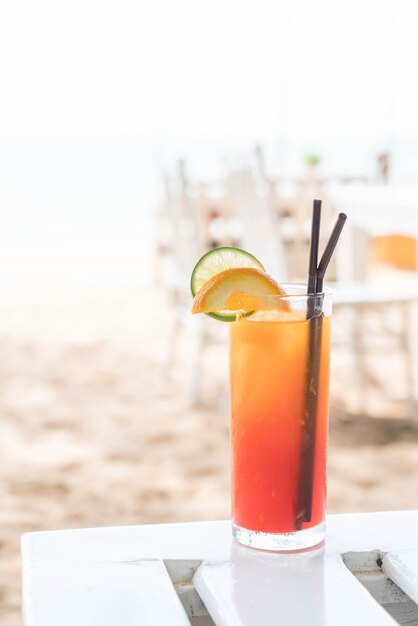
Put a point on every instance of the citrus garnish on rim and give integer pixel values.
(216, 261)
(235, 290)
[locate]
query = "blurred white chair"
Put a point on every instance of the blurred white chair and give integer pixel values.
(252, 203)
(185, 247)
(191, 212)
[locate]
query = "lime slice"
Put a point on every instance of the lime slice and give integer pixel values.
(216, 261)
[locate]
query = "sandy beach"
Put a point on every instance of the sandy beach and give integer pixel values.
(96, 429)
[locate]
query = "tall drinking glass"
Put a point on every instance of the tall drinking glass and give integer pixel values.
(279, 383)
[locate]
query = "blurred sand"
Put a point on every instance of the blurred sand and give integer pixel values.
(95, 431)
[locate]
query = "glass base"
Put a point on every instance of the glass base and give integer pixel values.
(280, 542)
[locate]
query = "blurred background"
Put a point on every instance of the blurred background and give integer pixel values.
(134, 137)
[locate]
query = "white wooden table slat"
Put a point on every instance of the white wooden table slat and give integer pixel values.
(122, 594)
(95, 576)
(304, 590)
(402, 568)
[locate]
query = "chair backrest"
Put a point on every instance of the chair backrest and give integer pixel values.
(251, 200)
(186, 231)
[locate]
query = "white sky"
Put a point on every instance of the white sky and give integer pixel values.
(100, 67)
(94, 94)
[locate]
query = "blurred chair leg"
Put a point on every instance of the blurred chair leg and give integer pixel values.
(223, 401)
(359, 357)
(172, 345)
(406, 346)
(175, 305)
(199, 338)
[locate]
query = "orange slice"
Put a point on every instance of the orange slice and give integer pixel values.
(236, 289)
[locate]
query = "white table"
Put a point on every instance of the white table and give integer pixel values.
(145, 575)
(372, 210)
(379, 209)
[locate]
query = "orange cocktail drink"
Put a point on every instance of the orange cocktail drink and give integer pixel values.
(269, 373)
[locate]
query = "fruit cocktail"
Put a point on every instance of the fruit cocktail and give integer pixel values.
(268, 370)
(278, 437)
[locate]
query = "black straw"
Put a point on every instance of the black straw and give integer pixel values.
(313, 251)
(307, 451)
(329, 250)
(315, 316)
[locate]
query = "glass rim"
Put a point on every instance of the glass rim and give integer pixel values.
(302, 295)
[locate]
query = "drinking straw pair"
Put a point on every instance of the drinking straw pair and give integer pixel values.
(316, 273)
(316, 277)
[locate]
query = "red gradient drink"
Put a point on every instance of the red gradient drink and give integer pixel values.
(268, 370)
